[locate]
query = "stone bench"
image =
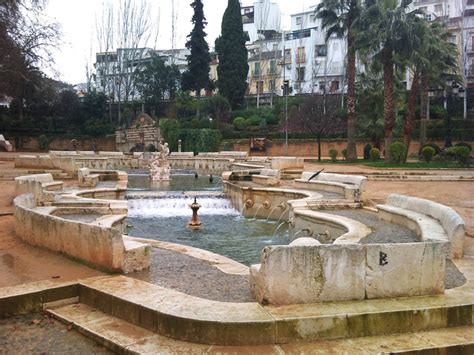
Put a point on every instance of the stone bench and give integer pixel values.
(40, 185)
(431, 220)
(86, 179)
(350, 186)
(328, 228)
(267, 177)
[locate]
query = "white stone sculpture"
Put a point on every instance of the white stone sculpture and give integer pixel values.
(158, 166)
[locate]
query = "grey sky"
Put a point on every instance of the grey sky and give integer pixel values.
(77, 19)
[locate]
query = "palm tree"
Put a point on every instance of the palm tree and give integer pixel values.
(339, 17)
(438, 66)
(387, 31)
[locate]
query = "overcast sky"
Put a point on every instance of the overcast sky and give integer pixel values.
(78, 18)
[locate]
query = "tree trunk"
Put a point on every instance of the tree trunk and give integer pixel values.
(351, 71)
(388, 114)
(425, 84)
(410, 114)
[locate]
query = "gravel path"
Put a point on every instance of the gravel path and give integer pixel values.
(194, 277)
(37, 333)
(382, 231)
(453, 277)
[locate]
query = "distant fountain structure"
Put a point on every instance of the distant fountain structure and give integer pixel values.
(159, 166)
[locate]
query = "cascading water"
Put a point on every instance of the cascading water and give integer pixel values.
(178, 206)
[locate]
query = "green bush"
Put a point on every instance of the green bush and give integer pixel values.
(200, 140)
(398, 151)
(435, 147)
(428, 153)
(170, 130)
(367, 149)
(374, 154)
(344, 153)
(97, 128)
(464, 144)
(43, 142)
(333, 154)
(240, 123)
(254, 120)
(460, 153)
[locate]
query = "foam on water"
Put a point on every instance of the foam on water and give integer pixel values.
(178, 207)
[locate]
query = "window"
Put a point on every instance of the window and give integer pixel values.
(275, 47)
(272, 68)
(271, 84)
(300, 55)
(299, 20)
(472, 43)
(259, 86)
(246, 11)
(312, 18)
(438, 8)
(334, 86)
(322, 86)
(256, 70)
(320, 51)
(286, 87)
(288, 56)
(300, 72)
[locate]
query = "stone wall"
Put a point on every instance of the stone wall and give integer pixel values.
(102, 247)
(28, 143)
(309, 148)
(318, 273)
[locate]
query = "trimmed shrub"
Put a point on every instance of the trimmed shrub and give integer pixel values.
(367, 149)
(333, 154)
(428, 153)
(344, 153)
(240, 123)
(43, 142)
(374, 154)
(464, 144)
(436, 148)
(461, 154)
(398, 151)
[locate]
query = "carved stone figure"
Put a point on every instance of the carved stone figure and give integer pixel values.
(158, 166)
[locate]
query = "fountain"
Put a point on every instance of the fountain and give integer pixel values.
(195, 223)
(159, 167)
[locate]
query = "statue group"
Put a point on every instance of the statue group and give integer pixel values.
(158, 166)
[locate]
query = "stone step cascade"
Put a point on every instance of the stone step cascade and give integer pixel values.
(123, 337)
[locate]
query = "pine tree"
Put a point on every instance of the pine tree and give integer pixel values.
(197, 75)
(230, 46)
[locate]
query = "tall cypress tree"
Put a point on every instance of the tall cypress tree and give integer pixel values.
(230, 46)
(197, 75)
